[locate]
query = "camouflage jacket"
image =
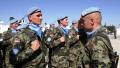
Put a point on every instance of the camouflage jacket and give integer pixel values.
(25, 56)
(58, 51)
(97, 49)
(7, 35)
(76, 50)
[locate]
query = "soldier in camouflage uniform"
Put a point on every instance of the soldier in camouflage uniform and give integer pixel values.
(56, 40)
(27, 48)
(98, 43)
(76, 48)
(7, 35)
(115, 32)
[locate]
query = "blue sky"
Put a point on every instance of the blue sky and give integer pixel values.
(53, 9)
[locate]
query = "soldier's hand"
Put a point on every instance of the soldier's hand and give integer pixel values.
(62, 39)
(35, 45)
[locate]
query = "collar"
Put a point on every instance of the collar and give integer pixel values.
(63, 26)
(14, 31)
(34, 25)
(90, 34)
(36, 28)
(64, 29)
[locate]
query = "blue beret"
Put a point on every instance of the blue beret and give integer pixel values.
(13, 21)
(74, 22)
(90, 10)
(62, 17)
(32, 10)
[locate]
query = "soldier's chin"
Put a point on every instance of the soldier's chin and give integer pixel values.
(39, 23)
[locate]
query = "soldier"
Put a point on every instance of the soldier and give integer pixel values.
(115, 32)
(27, 48)
(56, 40)
(7, 35)
(12, 30)
(75, 25)
(76, 48)
(98, 43)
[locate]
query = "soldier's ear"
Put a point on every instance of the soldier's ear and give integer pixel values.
(30, 18)
(60, 21)
(92, 21)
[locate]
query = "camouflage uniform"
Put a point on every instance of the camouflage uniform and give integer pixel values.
(7, 36)
(76, 49)
(25, 58)
(98, 50)
(59, 51)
